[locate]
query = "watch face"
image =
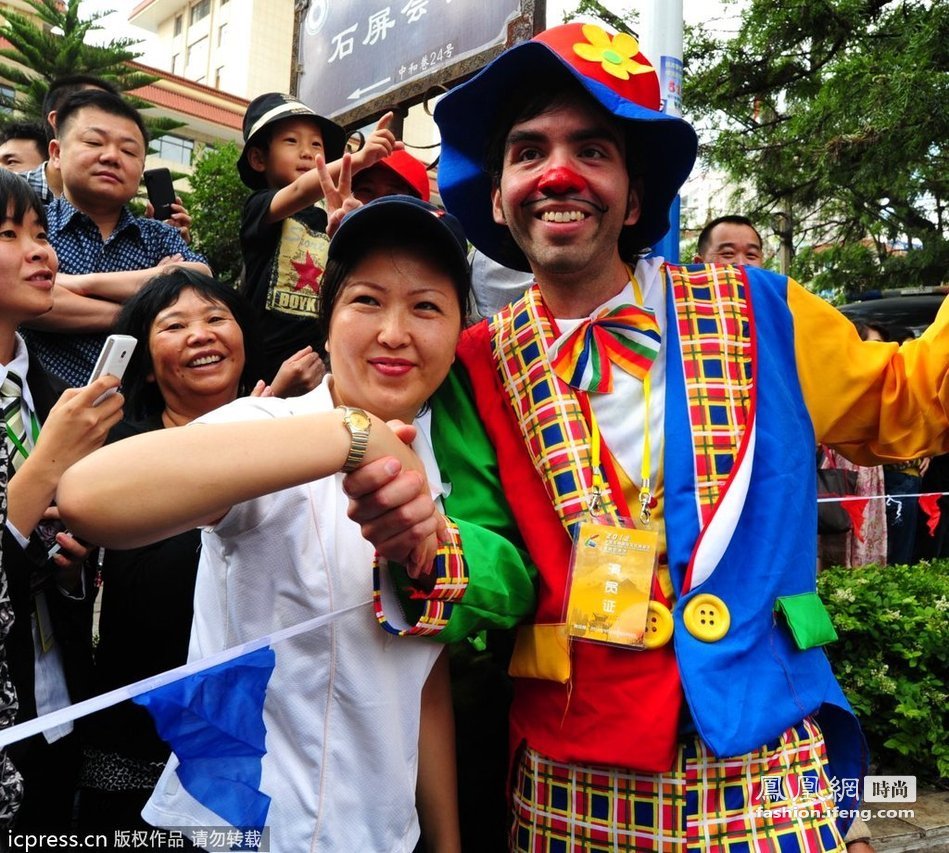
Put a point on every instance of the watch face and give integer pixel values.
(359, 419)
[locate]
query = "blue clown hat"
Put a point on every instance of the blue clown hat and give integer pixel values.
(660, 148)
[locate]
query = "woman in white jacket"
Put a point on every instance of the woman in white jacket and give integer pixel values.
(262, 475)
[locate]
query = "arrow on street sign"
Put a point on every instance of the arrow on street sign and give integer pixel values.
(358, 93)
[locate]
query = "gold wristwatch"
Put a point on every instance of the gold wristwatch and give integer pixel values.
(358, 424)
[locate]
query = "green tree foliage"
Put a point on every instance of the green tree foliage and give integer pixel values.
(892, 659)
(837, 111)
(216, 201)
(618, 23)
(57, 46)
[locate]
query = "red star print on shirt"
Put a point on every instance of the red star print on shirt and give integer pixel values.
(310, 272)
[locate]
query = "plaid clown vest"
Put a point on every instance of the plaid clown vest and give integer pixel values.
(740, 523)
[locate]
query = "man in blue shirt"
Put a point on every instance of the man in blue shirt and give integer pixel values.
(106, 253)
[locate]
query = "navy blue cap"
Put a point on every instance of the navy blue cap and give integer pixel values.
(383, 215)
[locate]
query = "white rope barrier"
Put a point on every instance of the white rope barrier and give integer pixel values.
(840, 498)
(120, 694)
(106, 700)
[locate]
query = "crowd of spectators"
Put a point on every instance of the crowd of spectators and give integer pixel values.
(199, 539)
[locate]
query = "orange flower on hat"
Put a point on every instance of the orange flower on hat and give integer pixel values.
(615, 54)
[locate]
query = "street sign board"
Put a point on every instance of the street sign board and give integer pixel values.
(356, 57)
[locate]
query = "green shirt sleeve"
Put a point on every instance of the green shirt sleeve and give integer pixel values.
(501, 578)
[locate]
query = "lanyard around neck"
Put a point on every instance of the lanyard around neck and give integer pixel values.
(599, 484)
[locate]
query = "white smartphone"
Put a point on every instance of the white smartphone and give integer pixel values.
(112, 361)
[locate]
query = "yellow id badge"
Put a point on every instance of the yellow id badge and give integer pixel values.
(612, 568)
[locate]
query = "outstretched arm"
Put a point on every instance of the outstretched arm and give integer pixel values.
(128, 494)
(880, 402)
(331, 182)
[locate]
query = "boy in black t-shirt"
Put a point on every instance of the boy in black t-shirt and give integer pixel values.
(283, 231)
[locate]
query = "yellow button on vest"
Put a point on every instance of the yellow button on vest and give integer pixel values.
(658, 626)
(706, 618)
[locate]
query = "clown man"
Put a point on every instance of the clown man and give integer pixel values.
(650, 432)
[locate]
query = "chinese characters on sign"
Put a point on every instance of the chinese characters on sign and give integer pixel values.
(355, 51)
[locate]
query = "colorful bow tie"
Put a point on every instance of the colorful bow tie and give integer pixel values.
(627, 335)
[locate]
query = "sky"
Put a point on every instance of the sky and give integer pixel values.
(693, 11)
(116, 24)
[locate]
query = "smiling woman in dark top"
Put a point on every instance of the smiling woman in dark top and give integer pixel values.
(196, 352)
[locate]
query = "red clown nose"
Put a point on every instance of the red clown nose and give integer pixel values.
(560, 181)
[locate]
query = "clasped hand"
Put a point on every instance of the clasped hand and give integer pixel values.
(393, 506)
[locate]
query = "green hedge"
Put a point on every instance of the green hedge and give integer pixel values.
(892, 660)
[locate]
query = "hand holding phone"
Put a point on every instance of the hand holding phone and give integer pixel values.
(161, 191)
(113, 359)
(47, 530)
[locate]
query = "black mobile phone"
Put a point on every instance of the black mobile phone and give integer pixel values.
(161, 191)
(47, 529)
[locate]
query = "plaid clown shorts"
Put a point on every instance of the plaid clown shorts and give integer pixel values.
(777, 798)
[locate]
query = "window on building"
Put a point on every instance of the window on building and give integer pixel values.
(175, 62)
(200, 10)
(7, 95)
(174, 148)
(178, 24)
(221, 35)
(218, 76)
(197, 65)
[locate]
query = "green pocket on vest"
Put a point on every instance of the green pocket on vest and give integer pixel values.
(808, 619)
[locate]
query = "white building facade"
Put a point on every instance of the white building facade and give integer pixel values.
(243, 47)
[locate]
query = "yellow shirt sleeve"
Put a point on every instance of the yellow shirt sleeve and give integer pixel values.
(874, 402)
